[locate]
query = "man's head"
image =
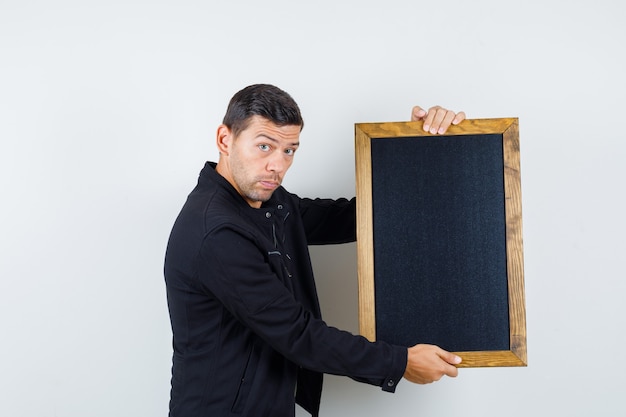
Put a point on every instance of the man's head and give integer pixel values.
(263, 100)
(257, 141)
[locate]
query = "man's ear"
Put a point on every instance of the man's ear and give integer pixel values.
(224, 139)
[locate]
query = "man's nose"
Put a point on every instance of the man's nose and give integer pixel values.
(277, 162)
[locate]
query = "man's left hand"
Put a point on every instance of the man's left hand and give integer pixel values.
(437, 120)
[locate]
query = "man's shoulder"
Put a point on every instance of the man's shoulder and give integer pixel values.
(214, 204)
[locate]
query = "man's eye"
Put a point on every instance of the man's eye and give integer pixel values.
(264, 147)
(290, 151)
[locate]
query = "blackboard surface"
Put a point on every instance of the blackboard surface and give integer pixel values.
(438, 202)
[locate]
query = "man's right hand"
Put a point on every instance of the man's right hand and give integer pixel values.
(428, 363)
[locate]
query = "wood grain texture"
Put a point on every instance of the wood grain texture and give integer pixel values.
(514, 241)
(490, 358)
(411, 129)
(365, 238)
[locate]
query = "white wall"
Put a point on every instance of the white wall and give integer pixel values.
(108, 110)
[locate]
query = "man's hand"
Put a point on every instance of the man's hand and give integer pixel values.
(437, 120)
(428, 363)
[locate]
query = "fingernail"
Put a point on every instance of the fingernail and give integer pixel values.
(426, 128)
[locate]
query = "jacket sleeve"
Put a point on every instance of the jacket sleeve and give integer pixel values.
(236, 271)
(328, 221)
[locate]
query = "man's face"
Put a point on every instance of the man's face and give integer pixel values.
(258, 158)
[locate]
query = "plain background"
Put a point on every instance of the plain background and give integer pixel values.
(108, 110)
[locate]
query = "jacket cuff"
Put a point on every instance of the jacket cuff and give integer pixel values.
(399, 361)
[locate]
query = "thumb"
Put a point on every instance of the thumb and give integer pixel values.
(449, 357)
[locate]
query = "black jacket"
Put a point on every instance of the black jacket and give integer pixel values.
(244, 310)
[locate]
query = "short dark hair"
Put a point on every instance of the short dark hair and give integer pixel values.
(263, 100)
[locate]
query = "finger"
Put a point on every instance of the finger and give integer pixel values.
(438, 120)
(430, 117)
(417, 113)
(451, 371)
(445, 123)
(460, 116)
(450, 361)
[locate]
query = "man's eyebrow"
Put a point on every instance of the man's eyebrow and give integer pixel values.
(263, 135)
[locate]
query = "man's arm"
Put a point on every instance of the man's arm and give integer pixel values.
(233, 269)
(328, 221)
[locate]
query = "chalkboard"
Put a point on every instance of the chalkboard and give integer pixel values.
(439, 238)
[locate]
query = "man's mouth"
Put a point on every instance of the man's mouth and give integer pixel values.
(269, 184)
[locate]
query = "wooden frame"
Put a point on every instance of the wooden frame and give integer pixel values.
(505, 128)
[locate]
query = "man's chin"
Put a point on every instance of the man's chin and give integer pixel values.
(261, 197)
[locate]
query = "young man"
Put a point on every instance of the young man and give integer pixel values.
(245, 317)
